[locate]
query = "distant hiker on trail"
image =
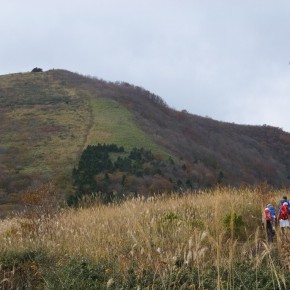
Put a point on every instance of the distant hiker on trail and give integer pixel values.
(273, 212)
(284, 217)
(269, 224)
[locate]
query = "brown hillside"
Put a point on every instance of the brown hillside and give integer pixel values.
(213, 151)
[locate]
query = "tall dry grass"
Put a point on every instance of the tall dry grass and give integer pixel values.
(162, 234)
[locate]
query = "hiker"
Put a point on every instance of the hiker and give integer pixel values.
(269, 224)
(284, 199)
(273, 212)
(284, 217)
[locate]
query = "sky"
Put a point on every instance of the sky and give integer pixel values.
(223, 59)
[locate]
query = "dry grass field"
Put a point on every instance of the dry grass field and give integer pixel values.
(206, 240)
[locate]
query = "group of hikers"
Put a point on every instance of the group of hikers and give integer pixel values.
(272, 219)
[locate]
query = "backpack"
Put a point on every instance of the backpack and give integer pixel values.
(268, 215)
(272, 210)
(281, 203)
(283, 212)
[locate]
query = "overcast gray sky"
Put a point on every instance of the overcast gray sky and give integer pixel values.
(225, 59)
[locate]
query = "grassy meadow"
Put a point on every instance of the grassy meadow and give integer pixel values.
(206, 240)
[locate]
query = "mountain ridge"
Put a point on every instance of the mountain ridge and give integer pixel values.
(48, 118)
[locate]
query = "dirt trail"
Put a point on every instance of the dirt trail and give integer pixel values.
(89, 128)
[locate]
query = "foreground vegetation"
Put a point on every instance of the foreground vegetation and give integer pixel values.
(206, 240)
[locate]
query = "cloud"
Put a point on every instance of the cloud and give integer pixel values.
(223, 59)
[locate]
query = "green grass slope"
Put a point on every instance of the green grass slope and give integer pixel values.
(113, 123)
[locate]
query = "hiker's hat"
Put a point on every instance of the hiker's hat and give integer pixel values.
(285, 203)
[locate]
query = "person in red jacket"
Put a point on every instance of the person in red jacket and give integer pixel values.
(284, 217)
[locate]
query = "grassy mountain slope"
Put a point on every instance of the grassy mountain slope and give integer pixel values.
(45, 125)
(47, 119)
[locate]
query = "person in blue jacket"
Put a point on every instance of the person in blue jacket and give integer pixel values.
(272, 212)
